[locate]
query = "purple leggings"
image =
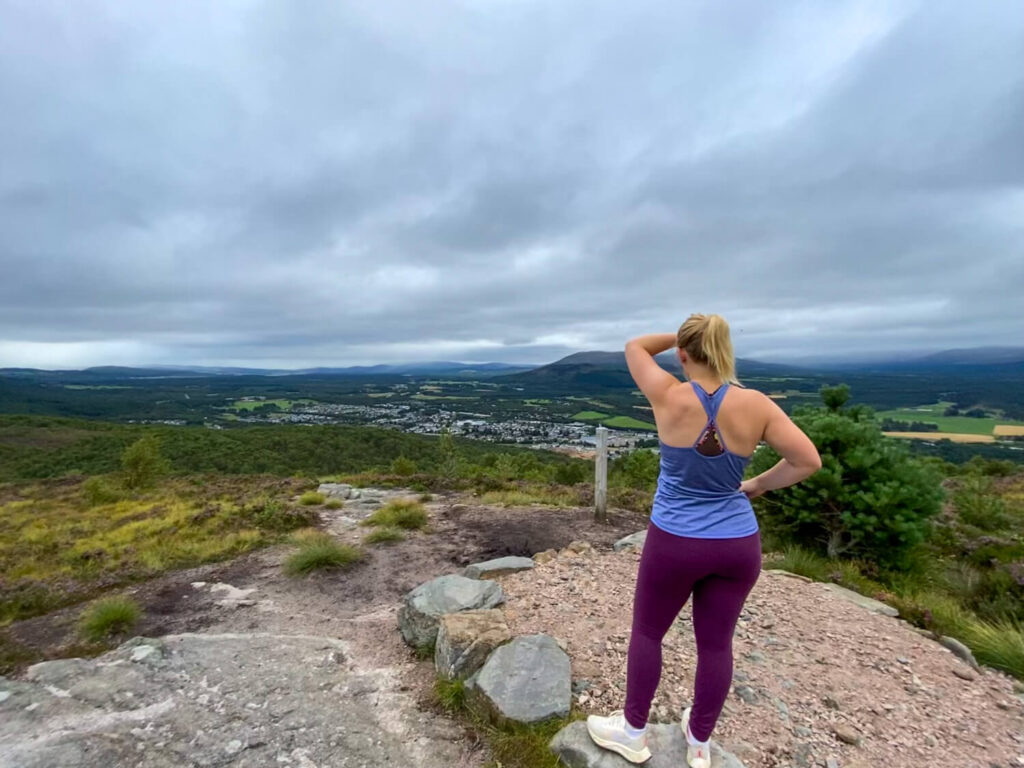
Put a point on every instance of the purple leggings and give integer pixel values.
(720, 573)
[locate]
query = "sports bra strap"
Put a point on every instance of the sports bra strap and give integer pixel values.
(711, 403)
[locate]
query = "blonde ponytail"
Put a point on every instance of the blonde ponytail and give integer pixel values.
(706, 339)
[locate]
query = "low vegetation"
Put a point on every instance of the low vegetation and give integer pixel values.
(384, 535)
(311, 498)
(319, 553)
(64, 541)
(400, 513)
(109, 617)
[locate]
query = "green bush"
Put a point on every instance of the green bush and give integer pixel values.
(400, 513)
(142, 464)
(870, 500)
(311, 498)
(109, 617)
(403, 466)
(334, 504)
(319, 553)
(97, 491)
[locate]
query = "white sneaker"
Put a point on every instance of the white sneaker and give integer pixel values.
(697, 755)
(610, 733)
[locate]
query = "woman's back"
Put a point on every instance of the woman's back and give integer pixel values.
(741, 417)
(699, 483)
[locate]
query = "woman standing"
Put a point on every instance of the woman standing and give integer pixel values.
(703, 537)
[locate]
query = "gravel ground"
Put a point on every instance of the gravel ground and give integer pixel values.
(818, 681)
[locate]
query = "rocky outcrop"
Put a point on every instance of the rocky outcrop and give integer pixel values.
(633, 540)
(465, 640)
(259, 700)
(575, 749)
(498, 567)
(875, 606)
(423, 607)
(526, 680)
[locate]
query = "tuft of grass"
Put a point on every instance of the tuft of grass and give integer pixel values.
(321, 553)
(803, 562)
(311, 498)
(997, 644)
(384, 535)
(334, 504)
(109, 617)
(400, 513)
(450, 694)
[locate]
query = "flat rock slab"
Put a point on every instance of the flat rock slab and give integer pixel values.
(465, 640)
(527, 680)
(875, 606)
(253, 700)
(424, 606)
(497, 567)
(633, 540)
(576, 749)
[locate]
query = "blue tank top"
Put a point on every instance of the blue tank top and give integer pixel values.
(698, 493)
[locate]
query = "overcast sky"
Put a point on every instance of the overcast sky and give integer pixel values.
(330, 183)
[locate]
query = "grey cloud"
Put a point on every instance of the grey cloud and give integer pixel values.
(330, 184)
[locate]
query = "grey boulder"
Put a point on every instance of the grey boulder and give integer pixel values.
(526, 681)
(497, 567)
(576, 749)
(633, 540)
(335, 490)
(424, 606)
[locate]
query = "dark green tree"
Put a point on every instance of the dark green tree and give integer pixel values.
(871, 499)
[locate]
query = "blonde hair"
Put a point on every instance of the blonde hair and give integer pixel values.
(706, 339)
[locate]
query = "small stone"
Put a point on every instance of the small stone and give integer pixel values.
(802, 731)
(233, 747)
(831, 702)
(831, 762)
(143, 652)
(4, 696)
(963, 674)
(545, 557)
(958, 649)
(755, 656)
(746, 693)
(902, 659)
(930, 740)
(846, 734)
(579, 686)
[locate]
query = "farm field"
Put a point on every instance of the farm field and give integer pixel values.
(284, 405)
(955, 424)
(589, 416)
(956, 437)
(628, 422)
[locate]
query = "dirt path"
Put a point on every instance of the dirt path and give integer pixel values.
(811, 670)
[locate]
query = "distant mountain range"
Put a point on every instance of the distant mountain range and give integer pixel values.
(594, 367)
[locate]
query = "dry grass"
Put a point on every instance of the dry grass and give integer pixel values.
(1008, 430)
